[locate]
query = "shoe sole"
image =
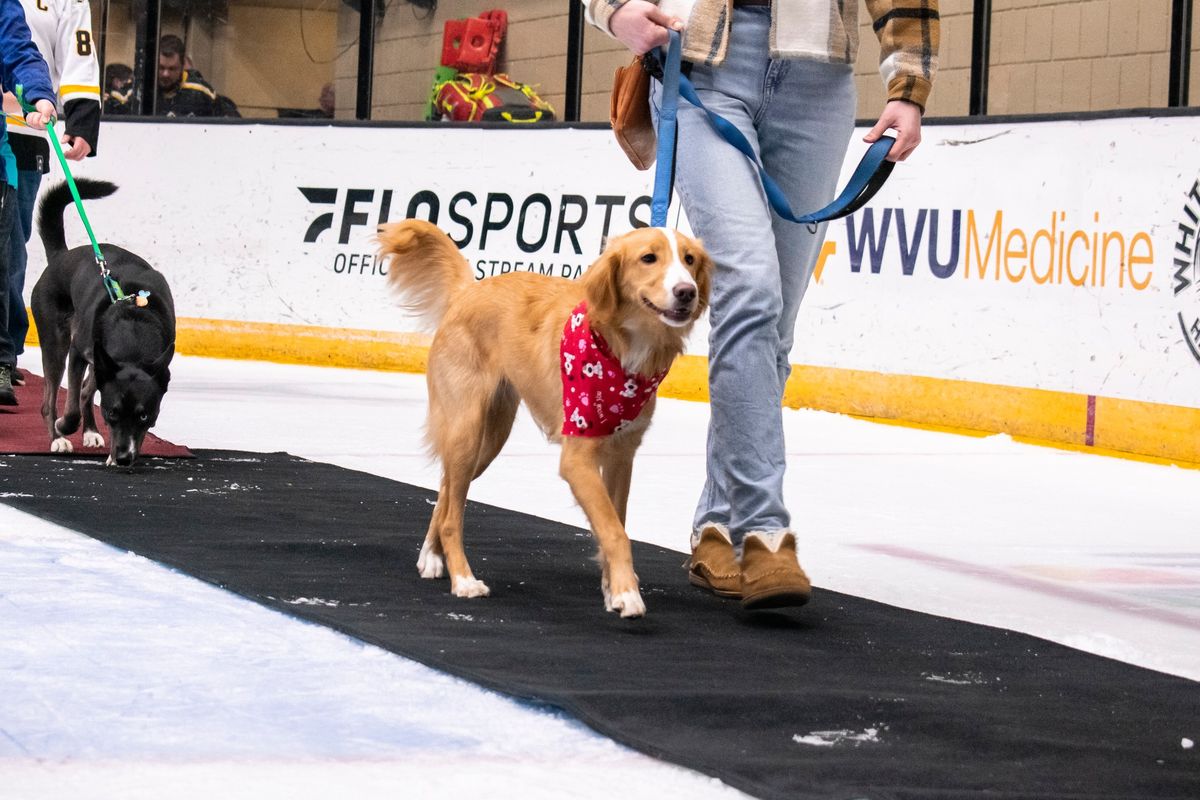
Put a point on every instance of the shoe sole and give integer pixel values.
(701, 582)
(778, 599)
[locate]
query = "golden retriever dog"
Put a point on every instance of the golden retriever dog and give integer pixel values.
(523, 337)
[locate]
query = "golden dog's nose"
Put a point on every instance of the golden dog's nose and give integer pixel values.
(685, 293)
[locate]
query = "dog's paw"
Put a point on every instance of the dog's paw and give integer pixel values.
(110, 462)
(430, 564)
(92, 439)
(62, 445)
(629, 604)
(469, 587)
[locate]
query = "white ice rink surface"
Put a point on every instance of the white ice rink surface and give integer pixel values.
(120, 678)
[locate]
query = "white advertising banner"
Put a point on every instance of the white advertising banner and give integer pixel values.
(1054, 255)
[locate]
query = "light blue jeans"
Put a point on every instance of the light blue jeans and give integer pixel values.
(799, 115)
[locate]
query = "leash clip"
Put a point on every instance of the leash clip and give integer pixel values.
(652, 65)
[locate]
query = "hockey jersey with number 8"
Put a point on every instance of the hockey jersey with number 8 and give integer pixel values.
(62, 31)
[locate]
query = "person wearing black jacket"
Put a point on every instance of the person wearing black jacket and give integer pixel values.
(181, 92)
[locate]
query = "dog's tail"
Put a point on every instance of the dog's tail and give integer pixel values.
(425, 267)
(55, 200)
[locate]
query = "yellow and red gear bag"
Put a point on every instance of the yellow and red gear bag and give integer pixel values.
(476, 97)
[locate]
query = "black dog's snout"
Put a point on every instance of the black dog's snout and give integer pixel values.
(685, 293)
(124, 455)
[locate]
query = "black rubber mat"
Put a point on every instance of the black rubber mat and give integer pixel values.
(844, 698)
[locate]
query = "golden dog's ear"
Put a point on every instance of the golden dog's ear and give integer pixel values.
(602, 286)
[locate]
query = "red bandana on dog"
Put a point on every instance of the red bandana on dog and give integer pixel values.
(599, 398)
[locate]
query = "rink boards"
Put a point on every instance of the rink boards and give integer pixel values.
(1032, 278)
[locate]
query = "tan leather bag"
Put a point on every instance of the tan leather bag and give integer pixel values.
(629, 113)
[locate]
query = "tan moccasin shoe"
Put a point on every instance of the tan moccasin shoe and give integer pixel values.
(713, 565)
(771, 574)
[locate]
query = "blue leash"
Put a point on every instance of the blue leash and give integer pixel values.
(664, 172)
(867, 179)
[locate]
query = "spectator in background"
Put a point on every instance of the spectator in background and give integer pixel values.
(181, 93)
(327, 102)
(223, 106)
(118, 88)
(324, 110)
(20, 63)
(62, 31)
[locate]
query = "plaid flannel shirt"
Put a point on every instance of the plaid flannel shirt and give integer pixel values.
(818, 30)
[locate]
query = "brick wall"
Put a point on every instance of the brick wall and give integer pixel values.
(1090, 55)
(1047, 56)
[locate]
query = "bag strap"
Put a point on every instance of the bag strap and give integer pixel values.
(870, 175)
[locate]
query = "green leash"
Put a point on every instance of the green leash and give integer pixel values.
(113, 288)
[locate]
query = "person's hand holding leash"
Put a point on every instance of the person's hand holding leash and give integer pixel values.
(44, 112)
(75, 148)
(905, 119)
(641, 27)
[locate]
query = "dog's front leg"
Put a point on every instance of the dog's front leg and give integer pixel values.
(617, 469)
(68, 423)
(580, 468)
(91, 435)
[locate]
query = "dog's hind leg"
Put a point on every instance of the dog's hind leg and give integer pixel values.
(457, 416)
(54, 344)
(431, 563)
(452, 504)
(580, 466)
(497, 427)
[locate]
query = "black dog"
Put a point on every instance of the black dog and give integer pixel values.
(128, 343)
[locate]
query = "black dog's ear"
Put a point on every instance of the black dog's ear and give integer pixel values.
(602, 286)
(103, 366)
(160, 364)
(159, 367)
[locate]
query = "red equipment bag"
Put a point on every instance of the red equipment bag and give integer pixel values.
(473, 44)
(474, 97)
